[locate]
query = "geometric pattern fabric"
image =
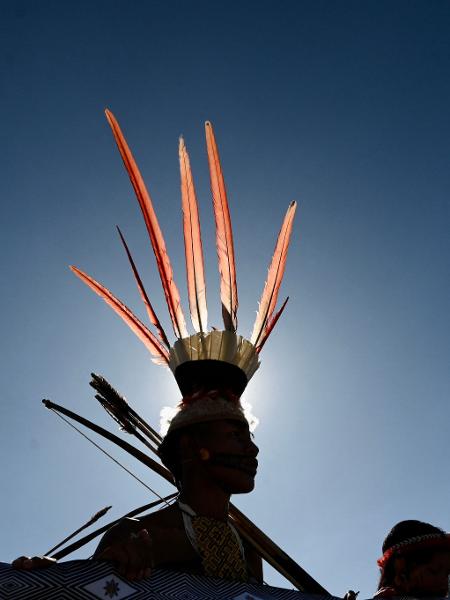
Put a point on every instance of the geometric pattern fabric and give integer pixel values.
(219, 549)
(90, 580)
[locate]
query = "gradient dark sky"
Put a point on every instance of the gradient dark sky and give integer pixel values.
(343, 106)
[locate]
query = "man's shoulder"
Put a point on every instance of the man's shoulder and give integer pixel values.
(166, 518)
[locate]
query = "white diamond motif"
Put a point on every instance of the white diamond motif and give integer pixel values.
(110, 587)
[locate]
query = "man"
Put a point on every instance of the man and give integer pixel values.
(211, 455)
(415, 561)
(208, 446)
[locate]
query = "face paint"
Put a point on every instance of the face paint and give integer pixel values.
(232, 463)
(241, 462)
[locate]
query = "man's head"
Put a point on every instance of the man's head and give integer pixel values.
(416, 560)
(220, 451)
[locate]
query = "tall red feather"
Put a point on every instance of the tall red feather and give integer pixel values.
(145, 299)
(195, 271)
(224, 234)
(269, 327)
(143, 333)
(275, 274)
(159, 247)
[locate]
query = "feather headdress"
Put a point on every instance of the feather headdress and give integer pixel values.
(206, 360)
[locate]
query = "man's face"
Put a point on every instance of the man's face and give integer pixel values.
(430, 578)
(232, 455)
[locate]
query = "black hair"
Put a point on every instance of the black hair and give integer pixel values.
(402, 531)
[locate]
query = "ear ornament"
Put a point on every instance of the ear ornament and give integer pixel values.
(204, 454)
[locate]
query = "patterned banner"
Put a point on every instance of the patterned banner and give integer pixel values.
(88, 580)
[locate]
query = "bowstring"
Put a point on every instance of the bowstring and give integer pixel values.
(110, 456)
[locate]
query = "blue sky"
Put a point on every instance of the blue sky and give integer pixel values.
(342, 106)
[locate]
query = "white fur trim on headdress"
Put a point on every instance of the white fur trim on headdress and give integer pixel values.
(203, 410)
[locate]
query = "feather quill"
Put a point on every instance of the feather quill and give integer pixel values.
(224, 234)
(156, 237)
(143, 333)
(195, 271)
(275, 274)
(145, 299)
(269, 327)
